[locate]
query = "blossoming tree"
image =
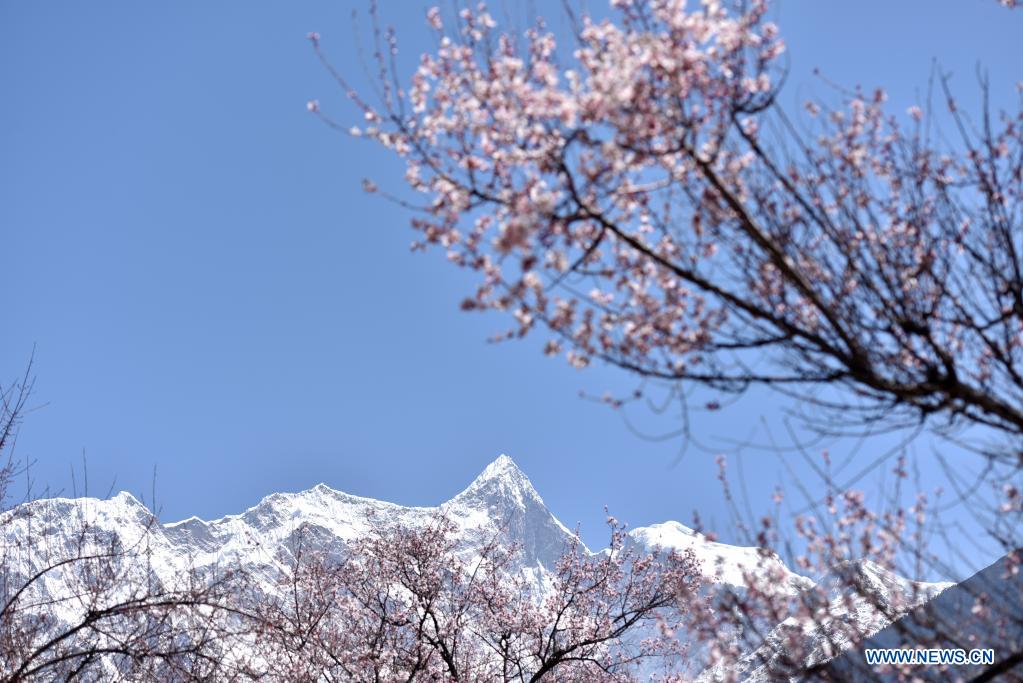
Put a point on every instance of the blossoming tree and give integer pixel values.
(643, 198)
(407, 604)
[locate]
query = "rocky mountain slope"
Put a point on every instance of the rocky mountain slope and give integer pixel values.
(984, 611)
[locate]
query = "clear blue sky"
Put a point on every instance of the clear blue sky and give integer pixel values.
(211, 294)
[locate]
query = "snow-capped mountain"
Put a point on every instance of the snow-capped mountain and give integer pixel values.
(721, 564)
(501, 500)
(500, 503)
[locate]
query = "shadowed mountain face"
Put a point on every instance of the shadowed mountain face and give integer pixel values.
(500, 504)
(985, 610)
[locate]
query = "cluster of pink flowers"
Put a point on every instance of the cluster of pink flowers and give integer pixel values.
(409, 604)
(643, 198)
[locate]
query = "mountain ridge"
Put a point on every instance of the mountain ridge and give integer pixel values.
(501, 502)
(501, 494)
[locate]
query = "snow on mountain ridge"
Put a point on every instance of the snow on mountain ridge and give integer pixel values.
(721, 563)
(500, 484)
(870, 576)
(500, 502)
(500, 499)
